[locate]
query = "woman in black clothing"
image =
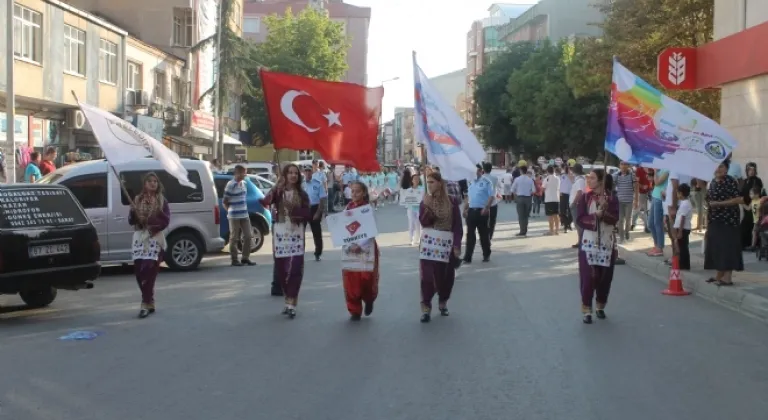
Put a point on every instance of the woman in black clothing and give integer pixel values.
(747, 223)
(722, 247)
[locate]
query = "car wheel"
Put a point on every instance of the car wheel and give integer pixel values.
(39, 298)
(257, 240)
(184, 252)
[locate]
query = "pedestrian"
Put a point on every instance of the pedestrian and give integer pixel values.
(149, 216)
(32, 172)
(313, 186)
(441, 219)
(566, 182)
(682, 225)
(237, 215)
(552, 200)
(506, 181)
(627, 191)
(644, 186)
(598, 214)
(360, 275)
(477, 212)
(722, 241)
(538, 195)
(494, 210)
(412, 210)
(48, 164)
(577, 190)
(656, 219)
(291, 212)
(523, 189)
(392, 183)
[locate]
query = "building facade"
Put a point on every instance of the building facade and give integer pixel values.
(404, 140)
(555, 20)
(174, 26)
(451, 87)
(356, 21)
(60, 50)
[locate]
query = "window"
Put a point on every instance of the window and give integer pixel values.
(175, 193)
(159, 85)
(176, 90)
(134, 76)
(107, 61)
(252, 25)
(27, 34)
(90, 190)
(183, 27)
(74, 50)
(221, 185)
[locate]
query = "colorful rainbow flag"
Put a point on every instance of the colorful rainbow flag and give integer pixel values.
(650, 129)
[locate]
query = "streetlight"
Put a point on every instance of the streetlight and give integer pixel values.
(381, 128)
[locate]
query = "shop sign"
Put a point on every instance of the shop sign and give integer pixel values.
(677, 68)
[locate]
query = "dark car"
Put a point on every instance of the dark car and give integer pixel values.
(46, 243)
(261, 219)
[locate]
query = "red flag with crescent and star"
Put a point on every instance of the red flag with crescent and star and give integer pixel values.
(336, 119)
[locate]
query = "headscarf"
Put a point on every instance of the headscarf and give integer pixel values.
(440, 204)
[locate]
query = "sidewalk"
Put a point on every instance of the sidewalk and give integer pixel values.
(749, 295)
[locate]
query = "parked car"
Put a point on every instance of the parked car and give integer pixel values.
(261, 218)
(262, 183)
(46, 243)
(264, 169)
(194, 227)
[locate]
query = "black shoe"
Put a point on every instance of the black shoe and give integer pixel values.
(368, 309)
(466, 261)
(587, 319)
(425, 318)
(276, 292)
(317, 258)
(248, 263)
(143, 313)
(444, 312)
(486, 259)
(600, 314)
(355, 317)
(236, 263)
(521, 234)
(291, 313)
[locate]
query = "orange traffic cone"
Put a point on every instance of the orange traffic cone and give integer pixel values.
(675, 287)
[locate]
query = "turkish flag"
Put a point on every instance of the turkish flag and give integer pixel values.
(338, 120)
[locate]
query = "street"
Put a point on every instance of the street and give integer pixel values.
(514, 346)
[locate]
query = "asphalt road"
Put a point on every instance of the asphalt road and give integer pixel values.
(514, 347)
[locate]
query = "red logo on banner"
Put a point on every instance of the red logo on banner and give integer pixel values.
(353, 227)
(677, 68)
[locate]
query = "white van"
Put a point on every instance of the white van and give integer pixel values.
(194, 227)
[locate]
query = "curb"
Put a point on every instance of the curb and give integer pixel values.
(735, 298)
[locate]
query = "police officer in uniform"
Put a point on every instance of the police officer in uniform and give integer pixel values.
(477, 209)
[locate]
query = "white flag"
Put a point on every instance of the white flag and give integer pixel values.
(449, 143)
(123, 143)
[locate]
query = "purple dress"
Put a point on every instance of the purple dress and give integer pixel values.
(289, 271)
(146, 270)
(596, 279)
(438, 277)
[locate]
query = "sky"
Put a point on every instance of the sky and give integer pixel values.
(435, 29)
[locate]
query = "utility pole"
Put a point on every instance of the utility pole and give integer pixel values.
(218, 139)
(10, 101)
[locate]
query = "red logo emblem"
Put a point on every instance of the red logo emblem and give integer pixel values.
(353, 227)
(677, 68)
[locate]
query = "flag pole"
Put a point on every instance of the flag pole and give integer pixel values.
(10, 100)
(122, 186)
(416, 110)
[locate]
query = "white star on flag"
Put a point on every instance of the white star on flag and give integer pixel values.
(333, 118)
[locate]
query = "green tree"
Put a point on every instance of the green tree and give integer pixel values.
(549, 118)
(235, 59)
(308, 44)
(636, 31)
(491, 99)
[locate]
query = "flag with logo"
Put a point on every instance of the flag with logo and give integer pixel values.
(449, 143)
(124, 143)
(650, 129)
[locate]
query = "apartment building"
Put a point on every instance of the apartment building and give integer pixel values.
(174, 26)
(404, 135)
(59, 50)
(555, 20)
(356, 21)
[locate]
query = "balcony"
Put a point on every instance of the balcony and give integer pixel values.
(176, 119)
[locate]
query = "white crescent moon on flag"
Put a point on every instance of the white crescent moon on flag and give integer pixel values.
(286, 106)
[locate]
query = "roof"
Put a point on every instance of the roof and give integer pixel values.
(512, 10)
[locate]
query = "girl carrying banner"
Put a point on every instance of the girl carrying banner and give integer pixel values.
(440, 246)
(360, 264)
(290, 213)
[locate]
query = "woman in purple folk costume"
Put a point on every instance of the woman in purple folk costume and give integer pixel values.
(598, 215)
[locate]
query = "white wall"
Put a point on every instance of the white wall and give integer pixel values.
(153, 60)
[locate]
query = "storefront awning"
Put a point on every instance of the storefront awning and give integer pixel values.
(208, 135)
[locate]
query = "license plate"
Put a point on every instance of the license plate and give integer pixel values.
(48, 250)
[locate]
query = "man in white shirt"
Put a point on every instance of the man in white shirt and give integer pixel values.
(577, 190)
(506, 181)
(487, 168)
(551, 186)
(522, 189)
(671, 203)
(566, 218)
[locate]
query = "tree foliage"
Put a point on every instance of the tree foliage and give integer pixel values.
(307, 44)
(491, 99)
(635, 32)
